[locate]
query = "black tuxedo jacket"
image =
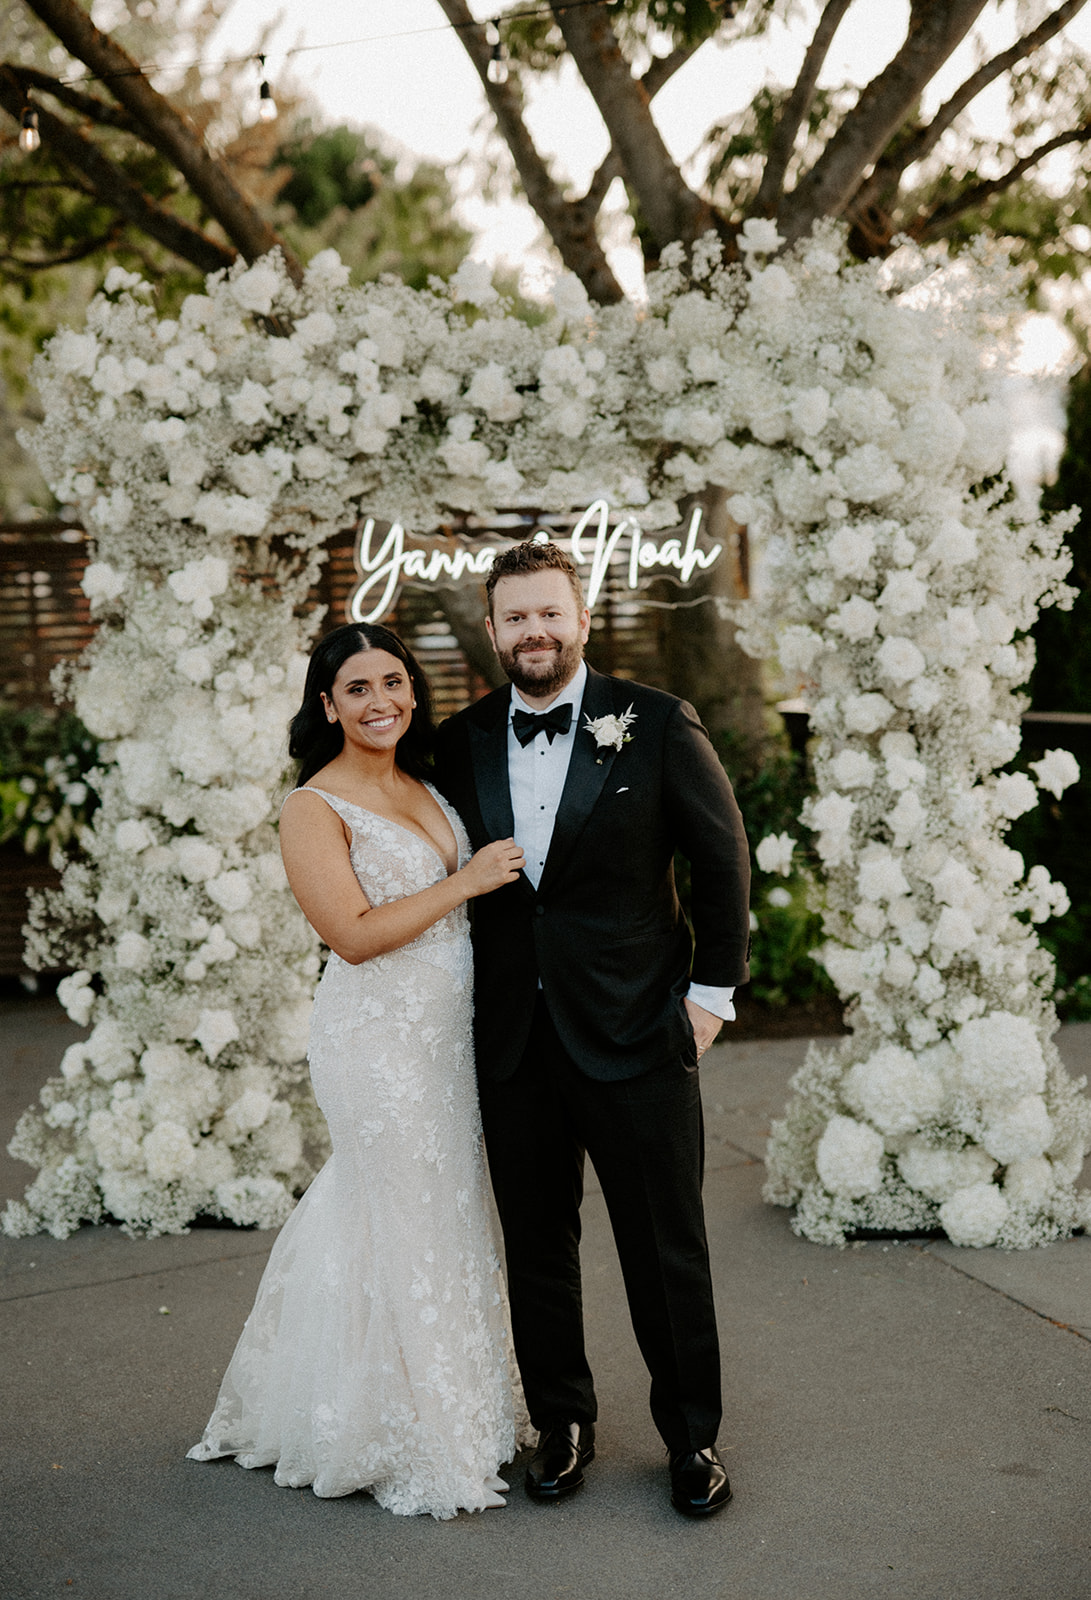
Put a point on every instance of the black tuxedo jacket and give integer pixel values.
(604, 932)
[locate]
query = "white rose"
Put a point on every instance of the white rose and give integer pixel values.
(215, 1030)
(774, 853)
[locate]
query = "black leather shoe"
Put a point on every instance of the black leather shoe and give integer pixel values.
(699, 1483)
(556, 1467)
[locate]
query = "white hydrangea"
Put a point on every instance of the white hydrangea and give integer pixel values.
(848, 1157)
(940, 1173)
(893, 1091)
(975, 1215)
(997, 1059)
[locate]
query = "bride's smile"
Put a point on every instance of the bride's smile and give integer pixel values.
(372, 698)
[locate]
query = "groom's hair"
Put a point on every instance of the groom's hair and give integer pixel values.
(521, 559)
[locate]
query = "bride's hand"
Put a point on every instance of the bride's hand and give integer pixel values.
(496, 864)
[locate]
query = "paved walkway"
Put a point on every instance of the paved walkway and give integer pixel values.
(903, 1420)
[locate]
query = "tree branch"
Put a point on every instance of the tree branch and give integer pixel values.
(933, 226)
(797, 108)
(923, 142)
(164, 129)
(669, 206)
(63, 258)
(663, 68)
(873, 204)
(660, 72)
(112, 185)
(936, 27)
(87, 105)
(570, 227)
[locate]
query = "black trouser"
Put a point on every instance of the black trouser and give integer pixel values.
(645, 1137)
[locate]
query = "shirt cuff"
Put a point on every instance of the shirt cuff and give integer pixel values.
(710, 998)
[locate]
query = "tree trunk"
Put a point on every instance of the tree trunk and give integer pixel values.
(704, 662)
(464, 612)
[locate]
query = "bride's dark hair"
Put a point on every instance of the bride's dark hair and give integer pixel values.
(313, 741)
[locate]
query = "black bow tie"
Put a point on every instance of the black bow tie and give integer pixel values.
(528, 723)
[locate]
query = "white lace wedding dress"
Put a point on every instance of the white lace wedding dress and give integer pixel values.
(378, 1355)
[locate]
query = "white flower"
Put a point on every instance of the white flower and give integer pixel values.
(954, 932)
(250, 1110)
(254, 1202)
(256, 289)
(133, 951)
(879, 877)
(168, 1152)
(76, 996)
(857, 619)
(893, 1091)
(797, 647)
(1020, 1131)
(938, 1173)
(215, 1030)
(232, 891)
(867, 474)
(610, 732)
(974, 1216)
(759, 236)
(774, 853)
(998, 1058)
(472, 283)
(1014, 794)
(852, 769)
(75, 353)
(326, 271)
(810, 409)
(199, 582)
(133, 835)
(867, 713)
(101, 581)
(771, 288)
(570, 298)
(848, 1157)
(900, 660)
(197, 860)
(196, 665)
(1056, 770)
(904, 594)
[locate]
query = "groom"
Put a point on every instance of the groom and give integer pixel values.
(590, 1016)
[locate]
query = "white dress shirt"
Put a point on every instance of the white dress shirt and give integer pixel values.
(536, 777)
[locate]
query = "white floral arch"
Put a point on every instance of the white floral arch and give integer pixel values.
(850, 410)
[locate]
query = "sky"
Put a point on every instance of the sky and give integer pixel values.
(396, 65)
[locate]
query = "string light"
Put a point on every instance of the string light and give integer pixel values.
(497, 68)
(209, 64)
(267, 106)
(29, 137)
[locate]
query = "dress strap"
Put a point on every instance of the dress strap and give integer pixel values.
(334, 801)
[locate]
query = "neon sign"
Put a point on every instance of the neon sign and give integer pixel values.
(386, 561)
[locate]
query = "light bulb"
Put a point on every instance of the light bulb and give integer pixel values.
(29, 137)
(498, 71)
(267, 106)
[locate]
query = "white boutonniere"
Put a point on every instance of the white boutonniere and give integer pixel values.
(610, 732)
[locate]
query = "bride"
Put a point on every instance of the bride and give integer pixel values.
(378, 1355)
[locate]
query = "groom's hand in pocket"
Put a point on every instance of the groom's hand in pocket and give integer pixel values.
(705, 1026)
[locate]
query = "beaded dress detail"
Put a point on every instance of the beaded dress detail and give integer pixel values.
(378, 1353)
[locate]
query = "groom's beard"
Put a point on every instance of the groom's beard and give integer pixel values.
(546, 677)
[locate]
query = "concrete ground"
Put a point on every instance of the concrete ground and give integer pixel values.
(908, 1420)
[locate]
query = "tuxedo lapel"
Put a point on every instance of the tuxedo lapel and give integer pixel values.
(489, 757)
(588, 770)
